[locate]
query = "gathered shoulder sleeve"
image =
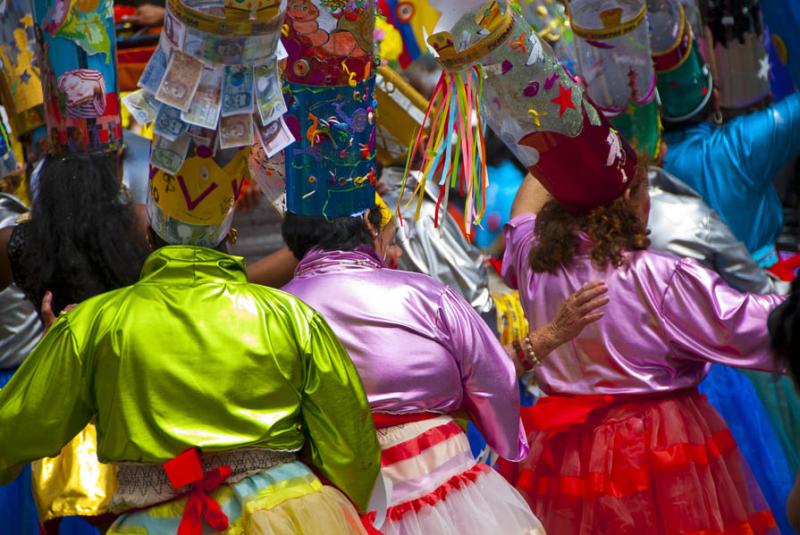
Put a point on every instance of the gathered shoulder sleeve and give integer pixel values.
(338, 422)
(491, 395)
(45, 404)
(767, 139)
(519, 242)
(707, 320)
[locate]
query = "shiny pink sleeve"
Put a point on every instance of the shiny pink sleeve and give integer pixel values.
(519, 240)
(705, 319)
(491, 394)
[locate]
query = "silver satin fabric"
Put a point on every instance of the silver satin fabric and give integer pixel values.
(442, 253)
(684, 225)
(20, 328)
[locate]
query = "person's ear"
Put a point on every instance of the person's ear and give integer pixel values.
(372, 230)
(627, 194)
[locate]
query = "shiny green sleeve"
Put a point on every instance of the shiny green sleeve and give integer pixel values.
(45, 404)
(338, 421)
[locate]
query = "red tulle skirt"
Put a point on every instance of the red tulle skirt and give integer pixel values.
(601, 464)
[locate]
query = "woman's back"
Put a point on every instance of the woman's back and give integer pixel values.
(666, 321)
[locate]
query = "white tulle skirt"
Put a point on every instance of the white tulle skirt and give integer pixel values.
(439, 488)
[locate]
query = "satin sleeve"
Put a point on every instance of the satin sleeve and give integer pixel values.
(767, 139)
(707, 320)
(733, 261)
(45, 404)
(338, 422)
(519, 241)
(491, 395)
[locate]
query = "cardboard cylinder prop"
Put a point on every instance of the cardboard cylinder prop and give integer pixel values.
(614, 60)
(532, 103)
(212, 89)
(740, 63)
(78, 70)
(684, 80)
(330, 92)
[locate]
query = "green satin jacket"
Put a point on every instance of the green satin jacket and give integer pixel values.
(192, 355)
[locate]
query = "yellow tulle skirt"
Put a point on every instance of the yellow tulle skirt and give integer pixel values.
(287, 499)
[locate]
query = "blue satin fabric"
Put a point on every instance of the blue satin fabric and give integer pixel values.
(17, 509)
(733, 395)
(732, 167)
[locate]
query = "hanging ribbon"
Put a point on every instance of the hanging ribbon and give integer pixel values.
(186, 469)
(454, 111)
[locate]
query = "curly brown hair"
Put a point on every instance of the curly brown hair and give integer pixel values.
(613, 230)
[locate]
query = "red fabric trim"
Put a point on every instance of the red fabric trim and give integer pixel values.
(383, 420)
(186, 469)
(455, 483)
(415, 446)
(758, 523)
(557, 414)
(627, 482)
(786, 269)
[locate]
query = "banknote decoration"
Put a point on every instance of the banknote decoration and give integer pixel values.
(213, 77)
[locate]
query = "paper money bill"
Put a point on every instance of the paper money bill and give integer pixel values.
(154, 71)
(168, 123)
(174, 30)
(275, 137)
(269, 97)
(142, 106)
(202, 136)
(169, 155)
(180, 82)
(236, 131)
(205, 106)
(237, 90)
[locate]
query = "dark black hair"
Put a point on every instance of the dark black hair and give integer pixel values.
(302, 233)
(81, 238)
(784, 328)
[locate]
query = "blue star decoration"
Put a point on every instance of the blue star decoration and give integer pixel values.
(25, 76)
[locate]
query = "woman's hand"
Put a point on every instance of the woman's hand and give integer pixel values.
(147, 15)
(48, 317)
(579, 310)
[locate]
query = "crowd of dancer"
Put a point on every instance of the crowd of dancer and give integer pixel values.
(542, 283)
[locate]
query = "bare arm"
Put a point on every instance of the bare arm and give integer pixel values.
(530, 198)
(273, 270)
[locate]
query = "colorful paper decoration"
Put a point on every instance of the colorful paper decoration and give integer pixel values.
(413, 19)
(20, 83)
(740, 63)
(8, 162)
(783, 20)
(508, 74)
(684, 81)
(79, 76)
(330, 92)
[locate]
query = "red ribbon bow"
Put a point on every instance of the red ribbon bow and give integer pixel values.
(186, 469)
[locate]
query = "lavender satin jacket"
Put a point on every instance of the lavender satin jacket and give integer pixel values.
(667, 321)
(417, 344)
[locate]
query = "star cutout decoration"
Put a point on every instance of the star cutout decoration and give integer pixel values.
(564, 99)
(763, 68)
(25, 76)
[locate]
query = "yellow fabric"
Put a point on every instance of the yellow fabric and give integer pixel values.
(210, 190)
(386, 214)
(192, 356)
(511, 322)
(74, 483)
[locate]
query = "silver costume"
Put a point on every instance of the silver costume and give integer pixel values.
(20, 327)
(684, 225)
(443, 253)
